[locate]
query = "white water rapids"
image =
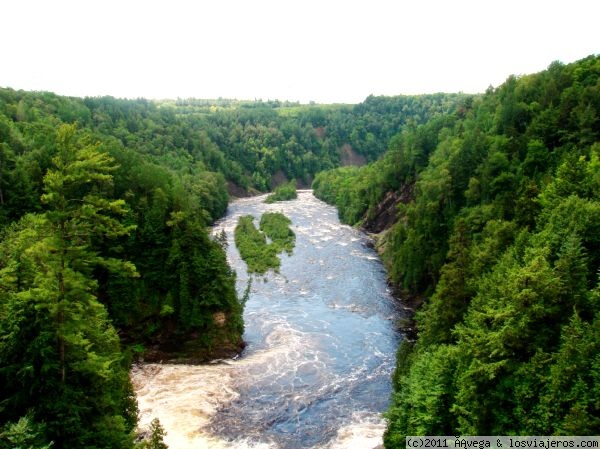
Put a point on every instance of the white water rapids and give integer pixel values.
(321, 345)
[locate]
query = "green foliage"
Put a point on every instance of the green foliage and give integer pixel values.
(284, 192)
(202, 283)
(247, 142)
(259, 255)
(83, 260)
(357, 192)
(427, 402)
(254, 250)
(185, 278)
(61, 360)
(515, 296)
(157, 434)
(276, 227)
(25, 433)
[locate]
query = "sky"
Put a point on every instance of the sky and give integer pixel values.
(326, 51)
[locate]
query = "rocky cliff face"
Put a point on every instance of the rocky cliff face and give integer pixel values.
(385, 214)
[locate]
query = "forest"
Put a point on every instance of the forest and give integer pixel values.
(105, 251)
(489, 217)
(486, 210)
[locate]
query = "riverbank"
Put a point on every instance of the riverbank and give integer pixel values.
(409, 303)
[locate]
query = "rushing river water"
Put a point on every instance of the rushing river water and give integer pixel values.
(321, 346)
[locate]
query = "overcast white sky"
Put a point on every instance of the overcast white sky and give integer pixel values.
(320, 50)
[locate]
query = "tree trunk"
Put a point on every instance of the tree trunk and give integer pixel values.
(61, 318)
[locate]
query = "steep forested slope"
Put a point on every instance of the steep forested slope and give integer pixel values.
(496, 225)
(98, 241)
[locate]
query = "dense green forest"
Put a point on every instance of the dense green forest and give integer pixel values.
(113, 246)
(105, 254)
(491, 215)
(261, 139)
(250, 143)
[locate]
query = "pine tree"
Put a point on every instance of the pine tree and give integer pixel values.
(157, 433)
(60, 354)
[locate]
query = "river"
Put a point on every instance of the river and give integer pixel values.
(321, 336)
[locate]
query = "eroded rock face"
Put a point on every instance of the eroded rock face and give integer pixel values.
(236, 191)
(349, 156)
(385, 215)
(278, 178)
(220, 319)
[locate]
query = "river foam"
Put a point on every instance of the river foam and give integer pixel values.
(184, 398)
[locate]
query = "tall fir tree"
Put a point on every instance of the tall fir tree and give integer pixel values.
(61, 359)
